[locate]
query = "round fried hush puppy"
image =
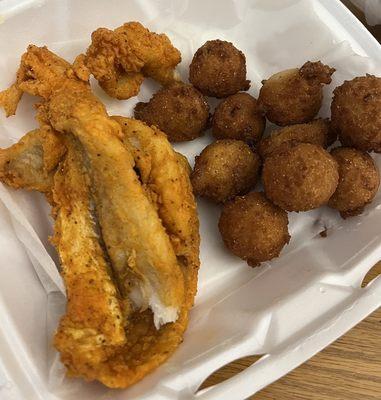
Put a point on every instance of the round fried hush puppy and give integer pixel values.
(179, 110)
(315, 132)
(294, 96)
(300, 176)
(238, 117)
(359, 180)
(225, 169)
(218, 69)
(253, 228)
(356, 113)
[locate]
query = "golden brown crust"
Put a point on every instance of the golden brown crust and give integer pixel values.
(31, 162)
(92, 328)
(314, 132)
(179, 110)
(356, 113)
(224, 169)
(238, 117)
(120, 59)
(294, 96)
(107, 164)
(253, 228)
(359, 181)
(218, 69)
(300, 176)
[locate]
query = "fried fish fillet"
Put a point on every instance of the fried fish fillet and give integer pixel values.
(92, 329)
(71, 109)
(147, 269)
(120, 59)
(165, 175)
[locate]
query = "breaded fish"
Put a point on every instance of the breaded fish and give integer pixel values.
(92, 328)
(134, 236)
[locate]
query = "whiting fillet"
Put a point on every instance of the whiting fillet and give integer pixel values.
(128, 239)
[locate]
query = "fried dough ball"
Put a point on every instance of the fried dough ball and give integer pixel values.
(315, 132)
(294, 96)
(218, 69)
(253, 228)
(300, 176)
(359, 180)
(179, 110)
(238, 117)
(356, 113)
(225, 169)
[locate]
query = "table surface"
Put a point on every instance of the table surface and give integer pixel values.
(348, 369)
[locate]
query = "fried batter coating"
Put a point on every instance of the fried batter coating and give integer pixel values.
(31, 162)
(179, 110)
(356, 113)
(253, 228)
(359, 180)
(294, 96)
(122, 58)
(122, 204)
(93, 323)
(315, 132)
(300, 176)
(225, 169)
(218, 69)
(238, 117)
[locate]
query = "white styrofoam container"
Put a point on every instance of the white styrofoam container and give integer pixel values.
(286, 310)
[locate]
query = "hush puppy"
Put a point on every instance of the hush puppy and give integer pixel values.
(179, 110)
(218, 69)
(238, 117)
(359, 180)
(225, 169)
(356, 113)
(314, 132)
(253, 228)
(300, 176)
(294, 96)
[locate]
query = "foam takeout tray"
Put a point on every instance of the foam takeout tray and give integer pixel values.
(286, 310)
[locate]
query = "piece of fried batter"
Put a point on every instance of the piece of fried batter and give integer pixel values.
(120, 59)
(300, 176)
(356, 113)
(218, 69)
(253, 228)
(315, 132)
(238, 117)
(294, 96)
(359, 180)
(31, 162)
(225, 169)
(179, 110)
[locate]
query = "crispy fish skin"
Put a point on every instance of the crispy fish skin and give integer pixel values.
(31, 162)
(92, 328)
(120, 59)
